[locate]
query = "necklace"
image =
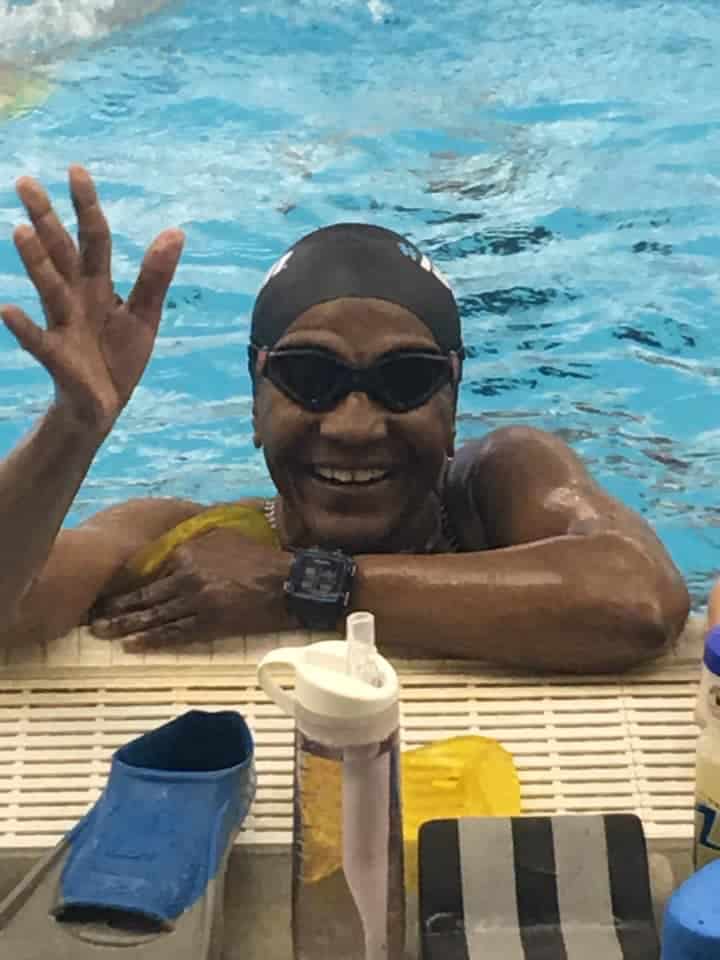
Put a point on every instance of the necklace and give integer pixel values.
(270, 515)
(446, 524)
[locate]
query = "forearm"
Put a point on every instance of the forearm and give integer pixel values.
(571, 604)
(38, 482)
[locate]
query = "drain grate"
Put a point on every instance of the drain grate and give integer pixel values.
(579, 747)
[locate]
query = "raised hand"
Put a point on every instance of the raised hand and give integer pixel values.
(94, 346)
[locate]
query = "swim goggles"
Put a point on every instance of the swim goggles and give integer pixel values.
(319, 380)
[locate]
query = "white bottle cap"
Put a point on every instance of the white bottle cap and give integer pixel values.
(323, 685)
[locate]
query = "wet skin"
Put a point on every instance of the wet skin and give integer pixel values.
(400, 509)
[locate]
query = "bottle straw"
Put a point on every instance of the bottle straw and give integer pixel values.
(360, 638)
(366, 803)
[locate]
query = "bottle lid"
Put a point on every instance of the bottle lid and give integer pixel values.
(711, 656)
(327, 686)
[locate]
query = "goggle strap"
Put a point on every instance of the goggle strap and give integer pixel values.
(455, 365)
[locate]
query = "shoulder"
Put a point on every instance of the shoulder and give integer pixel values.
(517, 444)
(135, 523)
(520, 455)
(146, 517)
(525, 484)
(152, 516)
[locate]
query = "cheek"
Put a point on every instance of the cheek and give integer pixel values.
(429, 433)
(281, 427)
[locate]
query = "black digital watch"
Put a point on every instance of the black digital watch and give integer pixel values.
(317, 590)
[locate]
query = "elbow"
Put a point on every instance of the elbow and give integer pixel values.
(25, 622)
(642, 635)
(647, 609)
(10, 613)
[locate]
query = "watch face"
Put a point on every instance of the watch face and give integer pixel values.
(321, 576)
(318, 587)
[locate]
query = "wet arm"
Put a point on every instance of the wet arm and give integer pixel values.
(576, 581)
(83, 562)
(38, 482)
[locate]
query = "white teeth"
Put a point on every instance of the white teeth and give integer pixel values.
(350, 476)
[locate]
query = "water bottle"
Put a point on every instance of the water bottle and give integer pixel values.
(709, 674)
(348, 897)
(707, 784)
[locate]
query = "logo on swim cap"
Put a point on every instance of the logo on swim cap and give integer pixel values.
(411, 251)
(277, 267)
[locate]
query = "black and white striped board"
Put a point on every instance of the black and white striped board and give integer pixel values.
(536, 888)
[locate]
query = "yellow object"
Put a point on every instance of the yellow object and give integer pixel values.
(469, 776)
(248, 520)
(21, 91)
(321, 816)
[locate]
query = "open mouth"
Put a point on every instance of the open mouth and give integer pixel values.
(341, 478)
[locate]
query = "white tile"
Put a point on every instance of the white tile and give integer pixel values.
(260, 644)
(18, 655)
(92, 651)
(64, 651)
(229, 650)
(196, 653)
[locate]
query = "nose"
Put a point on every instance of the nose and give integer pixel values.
(356, 420)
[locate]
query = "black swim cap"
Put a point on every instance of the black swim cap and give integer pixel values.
(354, 260)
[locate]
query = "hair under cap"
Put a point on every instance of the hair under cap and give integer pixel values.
(354, 260)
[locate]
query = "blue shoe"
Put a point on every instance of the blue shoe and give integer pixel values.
(145, 867)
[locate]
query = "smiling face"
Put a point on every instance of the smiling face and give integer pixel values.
(358, 477)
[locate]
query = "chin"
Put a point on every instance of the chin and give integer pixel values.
(351, 538)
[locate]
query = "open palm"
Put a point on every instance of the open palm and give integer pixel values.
(94, 346)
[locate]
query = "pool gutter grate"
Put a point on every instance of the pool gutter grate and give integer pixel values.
(580, 746)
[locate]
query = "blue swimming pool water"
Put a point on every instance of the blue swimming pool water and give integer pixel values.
(560, 161)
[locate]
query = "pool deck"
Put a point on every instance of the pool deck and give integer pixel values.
(581, 745)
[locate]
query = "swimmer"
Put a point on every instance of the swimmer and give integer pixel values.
(504, 549)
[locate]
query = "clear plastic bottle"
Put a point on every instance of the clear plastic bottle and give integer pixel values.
(707, 784)
(348, 890)
(709, 673)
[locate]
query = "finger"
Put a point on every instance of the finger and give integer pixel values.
(28, 334)
(150, 595)
(156, 273)
(94, 238)
(48, 282)
(53, 236)
(141, 621)
(171, 634)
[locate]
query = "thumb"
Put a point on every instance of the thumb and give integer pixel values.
(28, 334)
